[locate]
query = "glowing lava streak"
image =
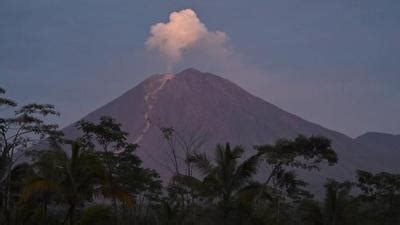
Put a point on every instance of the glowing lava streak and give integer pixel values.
(149, 99)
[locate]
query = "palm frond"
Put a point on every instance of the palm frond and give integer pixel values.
(237, 152)
(202, 163)
(246, 170)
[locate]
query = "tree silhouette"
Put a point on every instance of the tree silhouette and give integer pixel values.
(18, 130)
(281, 160)
(226, 177)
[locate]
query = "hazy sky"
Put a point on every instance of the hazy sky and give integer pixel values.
(336, 63)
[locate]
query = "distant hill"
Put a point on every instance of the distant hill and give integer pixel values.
(388, 146)
(206, 108)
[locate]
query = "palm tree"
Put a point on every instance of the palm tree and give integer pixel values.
(225, 178)
(70, 179)
(337, 201)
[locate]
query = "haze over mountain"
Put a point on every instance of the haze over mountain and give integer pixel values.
(205, 109)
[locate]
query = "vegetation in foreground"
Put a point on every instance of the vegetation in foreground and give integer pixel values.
(97, 179)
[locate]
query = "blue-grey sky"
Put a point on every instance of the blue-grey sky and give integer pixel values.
(336, 63)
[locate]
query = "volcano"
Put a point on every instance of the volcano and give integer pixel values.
(205, 109)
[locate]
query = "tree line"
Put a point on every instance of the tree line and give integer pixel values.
(97, 178)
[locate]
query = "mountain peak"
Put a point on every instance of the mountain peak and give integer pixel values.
(190, 70)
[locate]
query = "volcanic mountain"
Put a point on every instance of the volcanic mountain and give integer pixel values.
(205, 109)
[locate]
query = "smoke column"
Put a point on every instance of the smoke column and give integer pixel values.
(184, 31)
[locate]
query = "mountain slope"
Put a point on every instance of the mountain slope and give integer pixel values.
(205, 108)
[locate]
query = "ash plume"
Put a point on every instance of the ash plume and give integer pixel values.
(183, 32)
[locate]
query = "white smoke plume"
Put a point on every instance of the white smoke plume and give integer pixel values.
(185, 31)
